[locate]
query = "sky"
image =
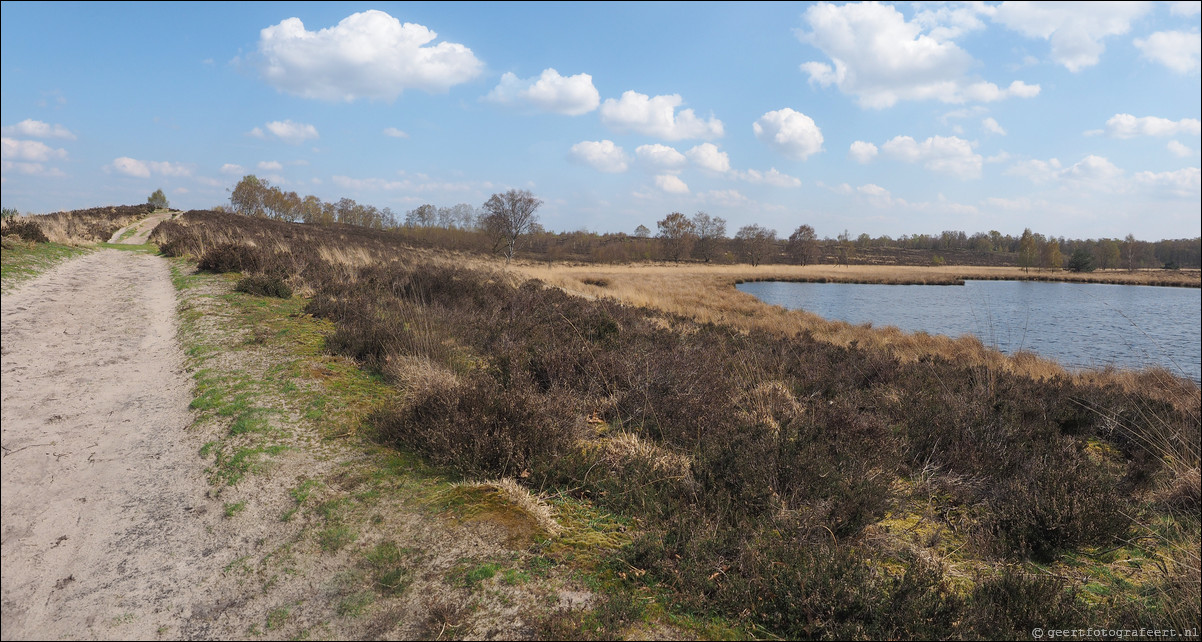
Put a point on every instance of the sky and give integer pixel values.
(1076, 119)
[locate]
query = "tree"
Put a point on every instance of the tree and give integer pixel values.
(755, 243)
(1109, 254)
(1080, 261)
(1027, 251)
(677, 235)
(1129, 252)
(803, 245)
(159, 200)
(510, 215)
(249, 194)
(845, 248)
(1050, 256)
(642, 232)
(710, 232)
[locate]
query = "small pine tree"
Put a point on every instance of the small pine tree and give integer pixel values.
(1080, 261)
(159, 200)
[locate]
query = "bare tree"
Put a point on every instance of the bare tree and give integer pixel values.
(508, 216)
(710, 232)
(803, 245)
(677, 234)
(755, 243)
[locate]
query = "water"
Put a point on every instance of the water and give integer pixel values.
(1079, 325)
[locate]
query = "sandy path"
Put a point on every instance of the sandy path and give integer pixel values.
(104, 523)
(139, 232)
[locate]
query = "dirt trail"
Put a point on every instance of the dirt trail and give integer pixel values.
(139, 232)
(100, 536)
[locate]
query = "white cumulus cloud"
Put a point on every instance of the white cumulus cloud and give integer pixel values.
(1074, 29)
(395, 133)
(570, 95)
(671, 184)
(367, 55)
(944, 154)
(789, 132)
(38, 129)
(287, 131)
(270, 166)
(1177, 50)
(29, 150)
(1128, 126)
(660, 156)
(657, 116)
(708, 156)
(880, 58)
(143, 169)
(991, 125)
(1185, 183)
(771, 177)
(232, 169)
(863, 151)
(601, 155)
(1178, 149)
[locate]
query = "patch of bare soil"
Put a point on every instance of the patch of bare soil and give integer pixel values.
(113, 525)
(104, 519)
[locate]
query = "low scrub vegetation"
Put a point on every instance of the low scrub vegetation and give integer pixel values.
(94, 225)
(776, 479)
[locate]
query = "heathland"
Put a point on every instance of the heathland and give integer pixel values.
(704, 464)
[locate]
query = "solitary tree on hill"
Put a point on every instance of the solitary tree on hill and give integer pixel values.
(159, 200)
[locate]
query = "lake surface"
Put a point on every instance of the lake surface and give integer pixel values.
(1080, 325)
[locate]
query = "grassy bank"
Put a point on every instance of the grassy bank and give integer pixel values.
(795, 484)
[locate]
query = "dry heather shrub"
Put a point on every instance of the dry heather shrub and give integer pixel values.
(626, 450)
(521, 498)
(419, 377)
(1183, 493)
(769, 404)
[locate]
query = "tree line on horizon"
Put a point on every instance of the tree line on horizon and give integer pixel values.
(492, 228)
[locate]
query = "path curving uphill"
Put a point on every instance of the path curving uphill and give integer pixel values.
(102, 534)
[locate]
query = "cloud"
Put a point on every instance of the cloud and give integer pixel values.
(1177, 50)
(1179, 149)
(1036, 171)
(992, 126)
(38, 129)
(1186, 183)
(1094, 171)
(1186, 8)
(270, 166)
(660, 156)
(863, 151)
(143, 169)
(602, 156)
(880, 58)
(725, 198)
(395, 133)
(708, 156)
(233, 169)
(366, 55)
(572, 95)
(29, 150)
(789, 132)
(30, 169)
(1074, 29)
(1128, 126)
(671, 184)
(287, 131)
(944, 154)
(771, 177)
(657, 117)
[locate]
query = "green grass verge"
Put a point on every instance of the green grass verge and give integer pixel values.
(20, 262)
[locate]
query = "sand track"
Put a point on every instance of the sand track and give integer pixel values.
(104, 519)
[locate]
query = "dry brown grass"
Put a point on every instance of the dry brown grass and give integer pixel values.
(707, 293)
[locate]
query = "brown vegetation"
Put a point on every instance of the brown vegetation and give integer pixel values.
(77, 227)
(761, 452)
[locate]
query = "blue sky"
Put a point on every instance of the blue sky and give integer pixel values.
(1074, 119)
